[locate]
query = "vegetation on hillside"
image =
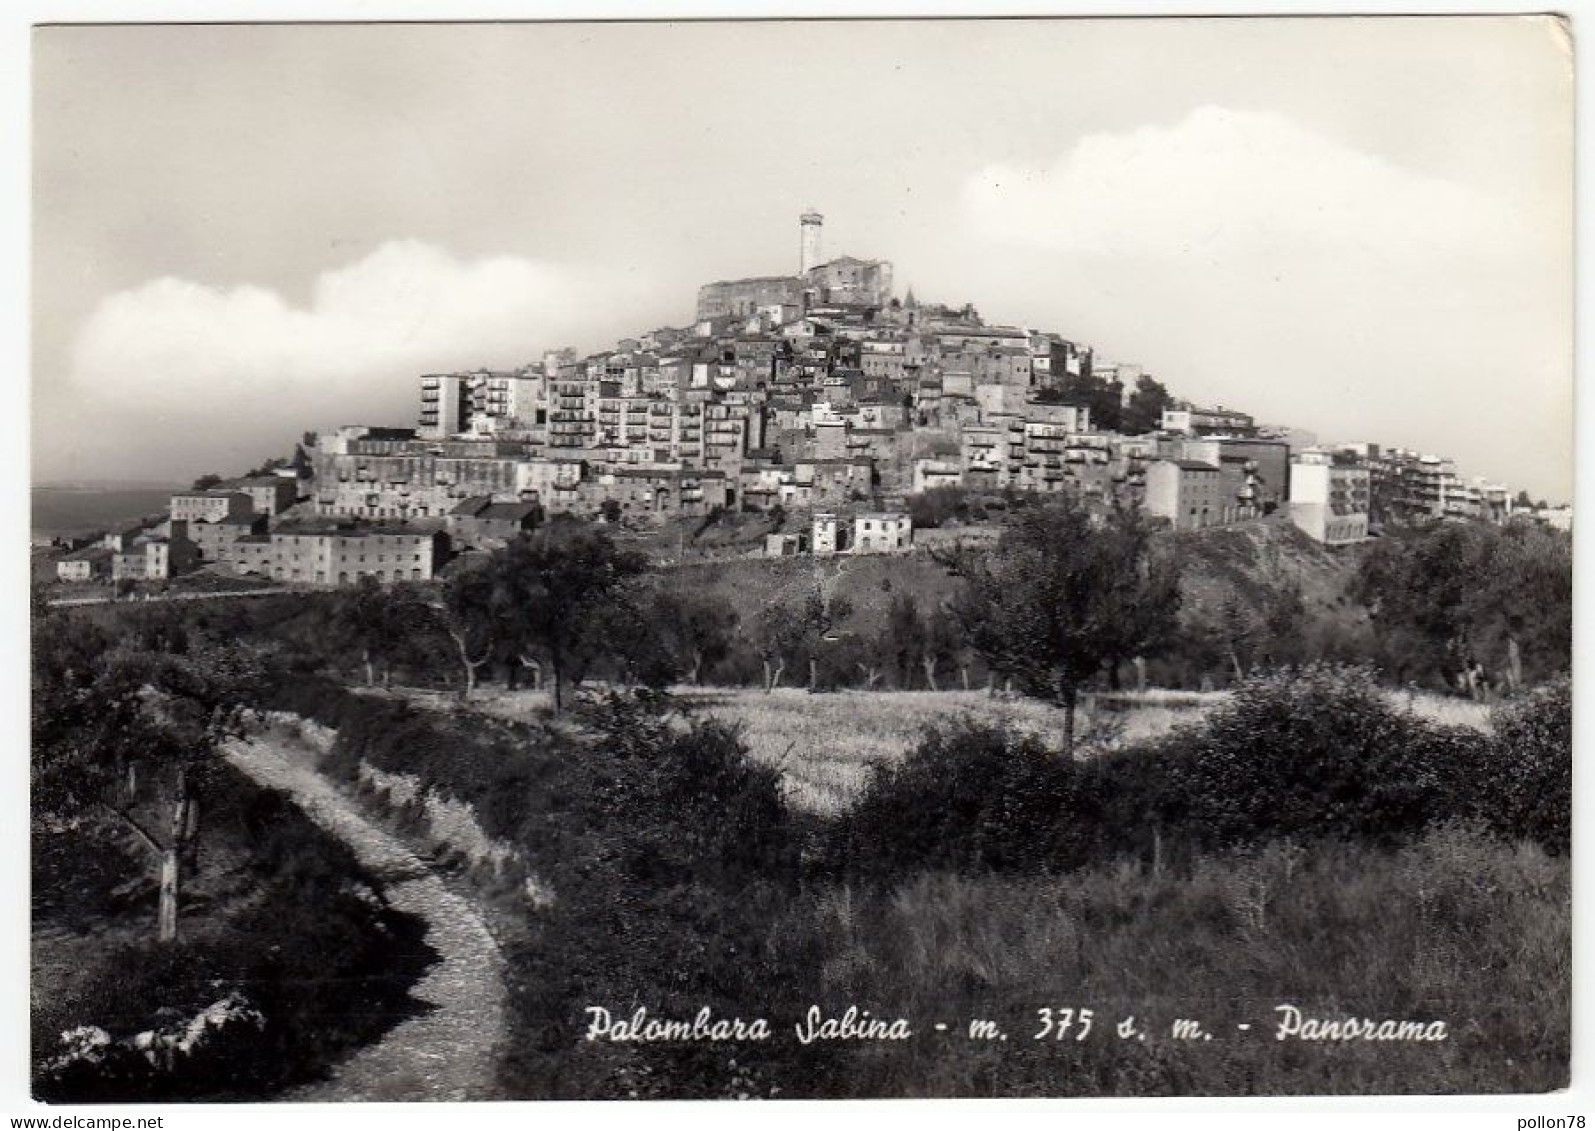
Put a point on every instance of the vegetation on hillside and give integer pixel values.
(1310, 840)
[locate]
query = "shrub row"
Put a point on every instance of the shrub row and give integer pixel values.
(1313, 753)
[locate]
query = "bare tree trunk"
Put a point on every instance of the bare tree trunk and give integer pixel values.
(1235, 660)
(166, 916)
(467, 665)
(929, 664)
(814, 674)
(1140, 673)
(697, 666)
(769, 678)
(189, 856)
(371, 674)
(1067, 696)
(171, 862)
(963, 672)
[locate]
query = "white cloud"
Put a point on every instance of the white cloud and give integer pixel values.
(1251, 262)
(189, 376)
(1225, 183)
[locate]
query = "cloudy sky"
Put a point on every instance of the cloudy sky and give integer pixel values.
(1360, 227)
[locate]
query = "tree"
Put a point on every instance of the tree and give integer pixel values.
(134, 734)
(1443, 595)
(1144, 413)
(904, 637)
(207, 481)
(939, 643)
(780, 631)
(694, 628)
(375, 621)
(823, 611)
(544, 591)
(1105, 399)
(1064, 593)
(464, 613)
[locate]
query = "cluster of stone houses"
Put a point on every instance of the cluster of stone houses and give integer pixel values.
(819, 393)
(823, 393)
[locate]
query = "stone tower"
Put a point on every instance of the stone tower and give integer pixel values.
(809, 242)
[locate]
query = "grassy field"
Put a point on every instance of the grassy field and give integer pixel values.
(1337, 931)
(826, 744)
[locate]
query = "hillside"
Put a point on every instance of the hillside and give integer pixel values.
(1249, 558)
(1241, 564)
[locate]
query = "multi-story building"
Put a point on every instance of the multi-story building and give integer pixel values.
(341, 556)
(480, 523)
(89, 564)
(268, 494)
(1256, 473)
(445, 404)
(1193, 421)
(882, 532)
(1330, 497)
(1187, 493)
(209, 506)
(211, 539)
(154, 558)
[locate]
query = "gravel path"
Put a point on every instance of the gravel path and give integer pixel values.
(448, 1050)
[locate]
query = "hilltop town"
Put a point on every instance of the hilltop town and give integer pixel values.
(821, 400)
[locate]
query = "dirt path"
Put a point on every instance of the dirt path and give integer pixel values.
(448, 1050)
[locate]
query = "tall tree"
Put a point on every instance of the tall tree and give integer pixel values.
(1062, 594)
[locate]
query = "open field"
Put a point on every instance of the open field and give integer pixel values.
(826, 744)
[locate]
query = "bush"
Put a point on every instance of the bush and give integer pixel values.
(1317, 751)
(1528, 790)
(697, 806)
(971, 797)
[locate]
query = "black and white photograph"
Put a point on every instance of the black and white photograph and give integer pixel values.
(799, 559)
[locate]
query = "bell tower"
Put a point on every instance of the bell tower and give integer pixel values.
(809, 241)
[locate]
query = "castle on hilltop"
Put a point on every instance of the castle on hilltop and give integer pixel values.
(843, 282)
